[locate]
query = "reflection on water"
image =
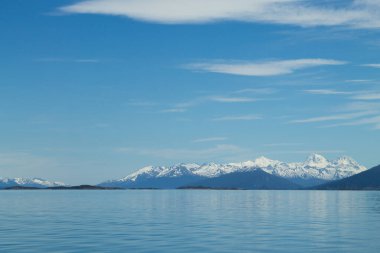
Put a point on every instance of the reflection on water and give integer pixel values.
(189, 221)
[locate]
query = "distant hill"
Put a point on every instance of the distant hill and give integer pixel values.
(17, 187)
(367, 180)
(250, 180)
(154, 182)
(82, 187)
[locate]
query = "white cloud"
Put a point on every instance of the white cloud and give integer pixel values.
(238, 118)
(209, 139)
(358, 13)
(327, 92)
(173, 12)
(270, 68)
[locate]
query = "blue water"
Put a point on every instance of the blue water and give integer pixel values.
(189, 221)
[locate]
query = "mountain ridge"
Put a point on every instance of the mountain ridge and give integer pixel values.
(314, 170)
(366, 180)
(26, 182)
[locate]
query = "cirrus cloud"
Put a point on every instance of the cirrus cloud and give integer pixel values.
(268, 68)
(238, 118)
(184, 153)
(368, 96)
(372, 65)
(327, 92)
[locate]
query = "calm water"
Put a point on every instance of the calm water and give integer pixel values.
(189, 221)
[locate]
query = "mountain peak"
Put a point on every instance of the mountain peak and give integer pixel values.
(346, 160)
(315, 156)
(186, 165)
(316, 160)
(146, 171)
(262, 161)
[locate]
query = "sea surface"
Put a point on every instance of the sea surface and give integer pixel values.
(189, 221)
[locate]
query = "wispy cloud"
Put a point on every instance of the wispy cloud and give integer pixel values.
(238, 118)
(317, 151)
(358, 81)
(283, 144)
(374, 65)
(269, 68)
(345, 116)
(327, 92)
(368, 114)
(174, 110)
(261, 91)
(183, 107)
(64, 60)
(231, 99)
(21, 159)
(361, 106)
(141, 103)
(102, 125)
(23, 164)
(367, 96)
(209, 139)
(351, 114)
(357, 14)
(364, 121)
(178, 153)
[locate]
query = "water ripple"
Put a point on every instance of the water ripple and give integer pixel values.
(189, 221)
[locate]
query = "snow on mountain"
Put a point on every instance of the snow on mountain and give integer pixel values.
(315, 167)
(152, 172)
(34, 182)
(316, 161)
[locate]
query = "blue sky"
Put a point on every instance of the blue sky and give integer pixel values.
(92, 90)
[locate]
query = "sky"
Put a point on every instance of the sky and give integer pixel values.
(93, 90)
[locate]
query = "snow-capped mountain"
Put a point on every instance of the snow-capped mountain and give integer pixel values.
(316, 166)
(34, 182)
(316, 169)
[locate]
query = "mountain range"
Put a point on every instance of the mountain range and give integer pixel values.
(315, 170)
(35, 182)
